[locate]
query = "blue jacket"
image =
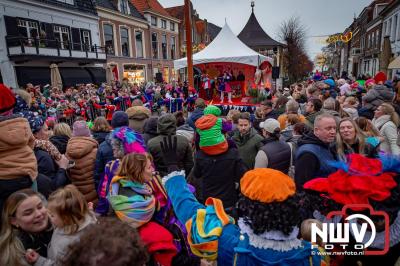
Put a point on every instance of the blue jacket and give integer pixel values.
(103, 156)
(234, 248)
(196, 114)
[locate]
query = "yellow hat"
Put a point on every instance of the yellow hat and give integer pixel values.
(267, 185)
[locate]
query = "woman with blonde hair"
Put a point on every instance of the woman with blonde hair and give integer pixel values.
(386, 120)
(61, 135)
(349, 139)
(24, 225)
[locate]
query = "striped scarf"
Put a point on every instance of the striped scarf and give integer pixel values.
(135, 210)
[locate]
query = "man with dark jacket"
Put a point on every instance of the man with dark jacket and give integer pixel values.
(268, 111)
(274, 153)
(314, 151)
(198, 112)
(217, 163)
(313, 109)
(105, 152)
(247, 140)
(166, 125)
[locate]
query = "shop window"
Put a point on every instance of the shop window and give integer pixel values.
(135, 73)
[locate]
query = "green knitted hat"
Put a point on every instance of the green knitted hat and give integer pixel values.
(212, 110)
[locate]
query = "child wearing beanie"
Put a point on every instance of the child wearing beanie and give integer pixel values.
(209, 127)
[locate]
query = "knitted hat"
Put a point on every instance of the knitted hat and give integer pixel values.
(7, 99)
(213, 110)
(330, 82)
(209, 127)
(132, 141)
(380, 77)
(35, 122)
(270, 125)
(267, 185)
(80, 129)
(119, 119)
(369, 81)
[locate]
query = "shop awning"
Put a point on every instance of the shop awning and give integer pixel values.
(395, 64)
(34, 75)
(98, 74)
(72, 76)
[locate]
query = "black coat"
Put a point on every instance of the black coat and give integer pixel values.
(218, 174)
(103, 156)
(100, 136)
(60, 142)
(48, 167)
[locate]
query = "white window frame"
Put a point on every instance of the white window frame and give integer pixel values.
(163, 24)
(59, 30)
(395, 22)
(151, 21)
(390, 29)
(120, 40)
(166, 46)
(127, 9)
(172, 26)
(28, 25)
(377, 38)
(158, 46)
(86, 35)
(143, 47)
(114, 34)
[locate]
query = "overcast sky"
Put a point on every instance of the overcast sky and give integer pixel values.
(321, 17)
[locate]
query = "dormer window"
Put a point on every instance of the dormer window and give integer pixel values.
(124, 7)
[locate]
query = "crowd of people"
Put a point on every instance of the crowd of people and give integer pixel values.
(153, 175)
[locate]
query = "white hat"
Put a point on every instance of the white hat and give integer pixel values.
(270, 125)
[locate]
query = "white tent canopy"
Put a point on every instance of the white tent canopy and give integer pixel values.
(227, 48)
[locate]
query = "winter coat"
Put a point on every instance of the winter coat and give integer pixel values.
(388, 130)
(218, 174)
(60, 241)
(196, 114)
(60, 142)
(311, 118)
(82, 150)
(186, 131)
(17, 158)
(103, 156)
(48, 167)
(150, 129)
(100, 136)
(274, 154)
(312, 157)
(248, 146)
(137, 117)
(36, 241)
(376, 96)
(165, 127)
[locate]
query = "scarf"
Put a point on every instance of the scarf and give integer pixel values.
(49, 148)
(135, 210)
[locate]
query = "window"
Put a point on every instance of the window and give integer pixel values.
(61, 34)
(398, 31)
(393, 35)
(124, 41)
(377, 39)
(109, 39)
(123, 6)
(27, 29)
(164, 46)
(163, 24)
(173, 47)
(153, 21)
(139, 43)
(154, 45)
(389, 31)
(172, 26)
(86, 39)
(384, 29)
(373, 40)
(70, 2)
